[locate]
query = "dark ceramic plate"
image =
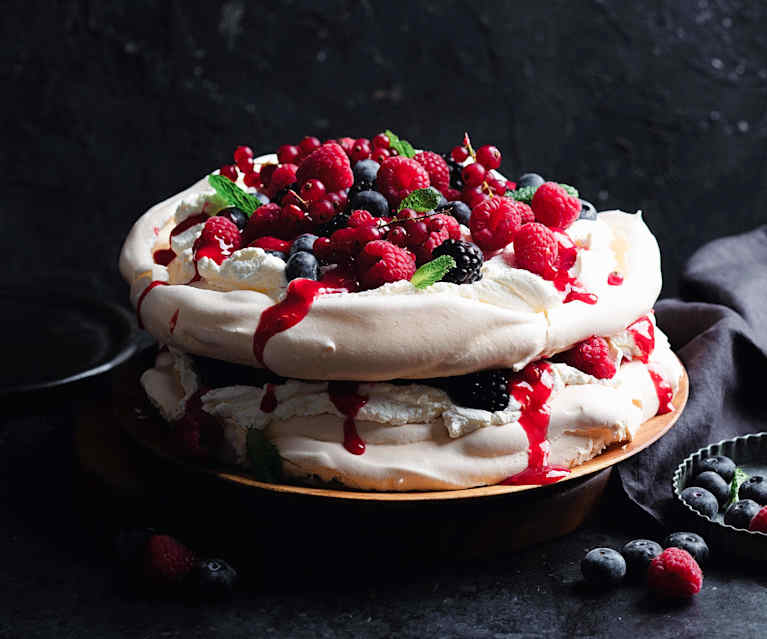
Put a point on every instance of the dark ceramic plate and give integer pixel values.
(749, 453)
(50, 337)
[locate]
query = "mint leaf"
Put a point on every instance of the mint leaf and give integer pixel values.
(432, 272)
(403, 147)
(739, 477)
(525, 193)
(233, 194)
(264, 457)
(421, 200)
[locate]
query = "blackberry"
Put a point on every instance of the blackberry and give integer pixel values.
(487, 390)
(456, 181)
(468, 261)
(338, 221)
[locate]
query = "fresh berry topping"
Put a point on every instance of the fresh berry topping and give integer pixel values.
(720, 464)
(229, 171)
(371, 201)
(360, 217)
(436, 167)
(592, 356)
(269, 243)
(489, 157)
(530, 179)
(759, 521)
(740, 514)
(304, 242)
(365, 171)
(309, 144)
(473, 174)
(292, 221)
(588, 212)
(338, 221)
(381, 141)
(266, 173)
(381, 261)
(526, 213)
(220, 237)
(213, 579)
(459, 210)
(714, 484)
(487, 390)
(453, 195)
(283, 176)
(252, 179)
(495, 222)
(379, 155)
(459, 153)
(689, 541)
(321, 211)
(397, 236)
(755, 487)
(602, 567)
(398, 177)
(338, 199)
(496, 183)
(360, 150)
(166, 560)
(330, 165)
(323, 249)
(302, 264)
(674, 574)
(474, 196)
(288, 154)
(312, 191)
(638, 554)
(427, 234)
(235, 215)
(554, 206)
(262, 221)
(468, 261)
(535, 249)
(347, 144)
(243, 158)
(701, 500)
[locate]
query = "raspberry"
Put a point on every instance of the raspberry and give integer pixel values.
(283, 176)
(398, 177)
(468, 261)
(167, 560)
(220, 237)
(592, 356)
(330, 165)
(269, 243)
(426, 235)
(554, 207)
(381, 262)
(759, 522)
(436, 167)
(526, 213)
(494, 223)
(263, 220)
(535, 249)
(360, 217)
(674, 574)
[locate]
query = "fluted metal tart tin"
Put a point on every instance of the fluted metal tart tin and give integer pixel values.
(749, 452)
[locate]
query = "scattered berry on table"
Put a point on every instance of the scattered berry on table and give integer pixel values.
(554, 206)
(535, 249)
(304, 242)
(603, 567)
(371, 201)
(235, 215)
(740, 514)
(489, 156)
(381, 262)
(330, 165)
(701, 500)
(365, 171)
(302, 264)
(674, 574)
(759, 521)
(212, 579)
(755, 487)
(530, 179)
(714, 484)
(720, 464)
(588, 211)
(220, 237)
(638, 554)
(592, 356)
(691, 542)
(436, 167)
(468, 259)
(495, 222)
(459, 210)
(487, 390)
(398, 177)
(167, 560)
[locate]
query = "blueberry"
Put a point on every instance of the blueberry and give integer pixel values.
(302, 264)
(442, 199)
(638, 554)
(262, 197)
(213, 578)
(235, 215)
(740, 514)
(720, 464)
(755, 487)
(701, 500)
(459, 210)
(714, 484)
(530, 179)
(603, 567)
(303, 242)
(689, 541)
(280, 254)
(588, 212)
(371, 201)
(365, 171)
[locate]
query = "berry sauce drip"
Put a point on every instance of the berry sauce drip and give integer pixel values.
(615, 279)
(532, 388)
(664, 391)
(643, 332)
(163, 257)
(188, 223)
(269, 400)
(560, 276)
(289, 312)
(346, 399)
(141, 297)
(173, 321)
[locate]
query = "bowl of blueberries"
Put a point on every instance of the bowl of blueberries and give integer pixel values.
(723, 490)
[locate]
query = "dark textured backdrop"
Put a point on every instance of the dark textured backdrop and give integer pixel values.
(111, 106)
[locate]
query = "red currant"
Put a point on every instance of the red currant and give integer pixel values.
(498, 185)
(360, 150)
(398, 236)
(323, 249)
(291, 198)
(474, 196)
(459, 153)
(346, 144)
(252, 179)
(309, 144)
(473, 174)
(367, 233)
(489, 156)
(266, 173)
(335, 200)
(288, 154)
(312, 190)
(242, 154)
(229, 171)
(381, 141)
(379, 154)
(407, 214)
(321, 211)
(417, 232)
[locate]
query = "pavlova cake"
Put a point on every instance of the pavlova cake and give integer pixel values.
(363, 313)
